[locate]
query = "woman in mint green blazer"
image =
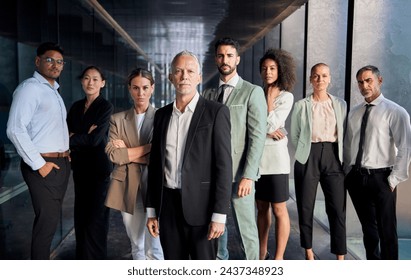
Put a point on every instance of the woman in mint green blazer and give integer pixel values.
(317, 123)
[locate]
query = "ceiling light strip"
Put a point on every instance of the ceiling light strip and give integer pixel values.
(113, 23)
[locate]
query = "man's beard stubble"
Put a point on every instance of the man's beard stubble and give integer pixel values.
(225, 73)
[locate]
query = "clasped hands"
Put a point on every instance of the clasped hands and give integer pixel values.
(277, 134)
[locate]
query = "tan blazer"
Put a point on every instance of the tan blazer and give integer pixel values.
(126, 177)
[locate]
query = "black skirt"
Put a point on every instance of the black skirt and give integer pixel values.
(272, 188)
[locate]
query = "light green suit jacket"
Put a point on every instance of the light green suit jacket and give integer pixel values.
(301, 126)
(248, 113)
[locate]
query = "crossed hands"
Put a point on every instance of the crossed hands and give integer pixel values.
(118, 143)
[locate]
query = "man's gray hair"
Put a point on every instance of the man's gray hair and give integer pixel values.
(371, 68)
(182, 53)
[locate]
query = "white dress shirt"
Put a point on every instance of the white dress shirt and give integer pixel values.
(387, 138)
(176, 142)
(232, 83)
(37, 120)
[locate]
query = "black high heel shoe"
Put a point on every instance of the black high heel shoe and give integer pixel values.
(267, 256)
(307, 258)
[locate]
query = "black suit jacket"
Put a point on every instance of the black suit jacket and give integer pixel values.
(88, 156)
(207, 166)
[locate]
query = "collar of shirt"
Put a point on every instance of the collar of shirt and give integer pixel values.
(376, 101)
(311, 99)
(190, 106)
(43, 80)
(232, 82)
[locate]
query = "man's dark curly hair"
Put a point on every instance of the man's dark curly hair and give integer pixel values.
(286, 67)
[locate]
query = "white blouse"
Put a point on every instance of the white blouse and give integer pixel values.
(324, 123)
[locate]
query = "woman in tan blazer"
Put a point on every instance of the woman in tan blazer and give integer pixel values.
(128, 148)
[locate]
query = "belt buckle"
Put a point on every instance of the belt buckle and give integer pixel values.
(363, 171)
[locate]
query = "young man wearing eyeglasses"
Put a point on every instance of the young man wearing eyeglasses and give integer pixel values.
(37, 127)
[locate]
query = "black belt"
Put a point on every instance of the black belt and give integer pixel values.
(366, 171)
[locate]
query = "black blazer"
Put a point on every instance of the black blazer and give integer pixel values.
(87, 150)
(207, 166)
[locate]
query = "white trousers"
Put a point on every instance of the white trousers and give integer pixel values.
(143, 245)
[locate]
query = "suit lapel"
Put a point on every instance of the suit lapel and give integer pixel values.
(195, 121)
(309, 108)
(336, 110)
(338, 117)
(234, 92)
(130, 129)
(146, 131)
(164, 120)
(211, 94)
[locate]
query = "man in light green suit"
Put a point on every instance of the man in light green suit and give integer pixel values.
(248, 112)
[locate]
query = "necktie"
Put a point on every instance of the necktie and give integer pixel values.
(362, 135)
(221, 94)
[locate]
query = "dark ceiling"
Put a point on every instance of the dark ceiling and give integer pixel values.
(158, 29)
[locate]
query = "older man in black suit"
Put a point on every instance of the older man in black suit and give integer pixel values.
(190, 171)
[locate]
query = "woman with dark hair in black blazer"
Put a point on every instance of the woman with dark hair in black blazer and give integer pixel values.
(88, 123)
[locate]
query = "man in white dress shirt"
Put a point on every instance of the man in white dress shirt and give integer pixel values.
(37, 128)
(378, 165)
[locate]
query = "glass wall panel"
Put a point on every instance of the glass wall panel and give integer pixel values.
(327, 42)
(8, 80)
(272, 39)
(292, 40)
(87, 40)
(385, 43)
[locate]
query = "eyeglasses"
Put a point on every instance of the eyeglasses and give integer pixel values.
(51, 61)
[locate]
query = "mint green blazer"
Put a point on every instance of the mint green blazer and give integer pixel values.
(301, 126)
(248, 114)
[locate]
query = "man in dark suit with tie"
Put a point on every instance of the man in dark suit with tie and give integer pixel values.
(190, 171)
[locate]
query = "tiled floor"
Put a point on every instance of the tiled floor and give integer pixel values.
(16, 218)
(118, 246)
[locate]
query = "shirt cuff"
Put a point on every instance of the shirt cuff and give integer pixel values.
(151, 212)
(36, 165)
(219, 218)
(393, 181)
